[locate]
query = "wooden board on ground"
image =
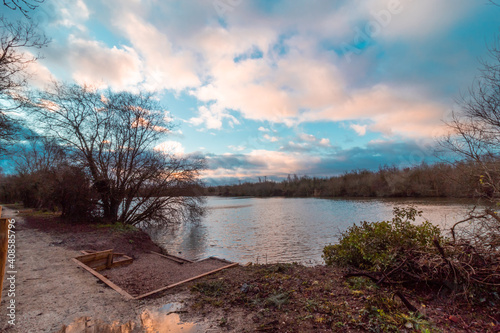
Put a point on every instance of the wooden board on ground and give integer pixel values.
(104, 279)
(100, 260)
(185, 281)
(104, 259)
(171, 257)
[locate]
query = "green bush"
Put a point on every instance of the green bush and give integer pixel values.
(377, 246)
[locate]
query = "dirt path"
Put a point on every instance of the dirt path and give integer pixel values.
(51, 291)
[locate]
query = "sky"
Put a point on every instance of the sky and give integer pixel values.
(271, 88)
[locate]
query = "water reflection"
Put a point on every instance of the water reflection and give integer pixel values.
(288, 229)
(160, 320)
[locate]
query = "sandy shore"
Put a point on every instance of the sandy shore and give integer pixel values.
(51, 291)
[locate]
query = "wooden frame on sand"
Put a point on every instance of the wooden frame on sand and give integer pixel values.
(105, 254)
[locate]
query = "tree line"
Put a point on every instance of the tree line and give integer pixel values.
(437, 180)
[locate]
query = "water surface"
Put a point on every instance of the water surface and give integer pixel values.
(288, 229)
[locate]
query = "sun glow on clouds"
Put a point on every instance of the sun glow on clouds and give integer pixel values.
(259, 163)
(272, 69)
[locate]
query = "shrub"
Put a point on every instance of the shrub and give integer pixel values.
(400, 251)
(377, 246)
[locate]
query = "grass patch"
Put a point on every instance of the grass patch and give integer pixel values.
(210, 288)
(118, 226)
(16, 206)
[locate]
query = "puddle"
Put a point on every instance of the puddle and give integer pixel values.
(170, 307)
(160, 320)
(89, 325)
(156, 322)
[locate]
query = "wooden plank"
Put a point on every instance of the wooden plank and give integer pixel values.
(102, 265)
(86, 258)
(214, 258)
(109, 260)
(104, 279)
(185, 281)
(4, 238)
(126, 261)
(173, 258)
(90, 252)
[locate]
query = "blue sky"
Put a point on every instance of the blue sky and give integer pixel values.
(270, 88)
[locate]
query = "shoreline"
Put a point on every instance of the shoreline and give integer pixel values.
(54, 292)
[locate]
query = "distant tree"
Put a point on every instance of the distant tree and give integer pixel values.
(15, 38)
(113, 135)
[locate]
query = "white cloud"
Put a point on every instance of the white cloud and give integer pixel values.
(360, 129)
(92, 62)
(212, 117)
(270, 138)
(262, 129)
(171, 147)
(165, 65)
(236, 148)
(324, 142)
(307, 137)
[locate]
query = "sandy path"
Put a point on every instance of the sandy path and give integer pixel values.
(51, 291)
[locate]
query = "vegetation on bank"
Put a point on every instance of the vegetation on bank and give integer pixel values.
(457, 180)
(399, 252)
(294, 298)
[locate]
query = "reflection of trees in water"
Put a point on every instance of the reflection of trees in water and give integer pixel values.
(188, 238)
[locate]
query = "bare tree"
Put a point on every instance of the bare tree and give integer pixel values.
(475, 138)
(15, 39)
(24, 6)
(475, 129)
(113, 136)
(40, 154)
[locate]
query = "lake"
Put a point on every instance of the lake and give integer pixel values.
(288, 229)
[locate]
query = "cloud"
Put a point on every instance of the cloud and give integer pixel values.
(256, 163)
(270, 138)
(92, 62)
(236, 148)
(324, 142)
(306, 143)
(279, 63)
(360, 129)
(307, 137)
(212, 117)
(171, 147)
(262, 129)
(40, 76)
(391, 111)
(165, 65)
(278, 164)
